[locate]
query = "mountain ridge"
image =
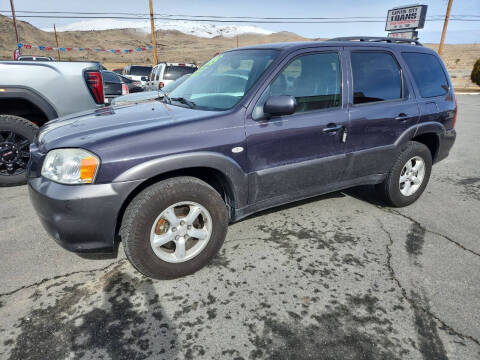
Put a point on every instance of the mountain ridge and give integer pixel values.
(173, 45)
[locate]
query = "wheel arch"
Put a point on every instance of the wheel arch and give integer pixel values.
(427, 133)
(26, 103)
(220, 172)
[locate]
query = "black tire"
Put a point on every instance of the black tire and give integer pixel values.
(142, 211)
(389, 190)
(23, 129)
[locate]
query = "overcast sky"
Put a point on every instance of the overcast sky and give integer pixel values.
(458, 32)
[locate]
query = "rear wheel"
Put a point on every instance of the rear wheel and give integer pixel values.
(408, 177)
(16, 135)
(174, 228)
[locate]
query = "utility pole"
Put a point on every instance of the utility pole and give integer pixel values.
(445, 24)
(154, 36)
(56, 39)
(14, 21)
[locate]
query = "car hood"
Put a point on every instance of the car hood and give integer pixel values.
(100, 125)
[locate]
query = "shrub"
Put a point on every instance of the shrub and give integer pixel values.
(476, 73)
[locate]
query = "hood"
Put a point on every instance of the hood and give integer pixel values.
(100, 125)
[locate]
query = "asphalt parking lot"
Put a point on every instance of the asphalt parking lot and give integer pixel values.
(335, 277)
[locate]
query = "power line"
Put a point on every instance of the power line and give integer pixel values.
(227, 21)
(168, 16)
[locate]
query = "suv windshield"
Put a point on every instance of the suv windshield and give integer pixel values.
(174, 72)
(223, 81)
(140, 70)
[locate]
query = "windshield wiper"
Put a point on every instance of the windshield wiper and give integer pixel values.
(165, 97)
(182, 100)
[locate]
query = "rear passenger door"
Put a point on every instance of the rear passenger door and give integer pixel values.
(381, 107)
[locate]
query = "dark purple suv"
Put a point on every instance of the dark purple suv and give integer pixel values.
(253, 128)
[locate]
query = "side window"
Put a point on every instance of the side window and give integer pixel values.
(314, 80)
(159, 70)
(376, 77)
(427, 73)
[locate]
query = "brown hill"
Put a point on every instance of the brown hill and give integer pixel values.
(172, 45)
(180, 47)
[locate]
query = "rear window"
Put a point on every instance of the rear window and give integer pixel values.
(376, 77)
(140, 70)
(174, 72)
(110, 77)
(427, 73)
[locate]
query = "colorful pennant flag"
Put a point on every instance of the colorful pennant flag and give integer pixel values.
(63, 49)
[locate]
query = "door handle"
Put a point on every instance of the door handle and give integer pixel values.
(332, 128)
(402, 117)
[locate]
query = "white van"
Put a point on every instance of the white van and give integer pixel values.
(165, 73)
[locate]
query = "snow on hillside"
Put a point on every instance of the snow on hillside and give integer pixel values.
(201, 29)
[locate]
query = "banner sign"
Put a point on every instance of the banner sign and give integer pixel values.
(67, 49)
(409, 17)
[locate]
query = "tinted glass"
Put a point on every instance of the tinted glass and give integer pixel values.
(314, 81)
(110, 77)
(376, 77)
(140, 70)
(126, 80)
(427, 73)
(174, 72)
(223, 81)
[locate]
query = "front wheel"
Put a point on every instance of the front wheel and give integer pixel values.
(408, 177)
(174, 227)
(16, 135)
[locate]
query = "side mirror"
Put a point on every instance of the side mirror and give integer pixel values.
(280, 105)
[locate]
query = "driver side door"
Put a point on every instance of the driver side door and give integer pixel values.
(303, 154)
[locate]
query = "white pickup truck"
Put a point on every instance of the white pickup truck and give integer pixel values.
(32, 93)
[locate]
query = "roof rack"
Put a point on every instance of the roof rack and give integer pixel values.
(377, 39)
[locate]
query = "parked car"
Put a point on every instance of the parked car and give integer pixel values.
(166, 73)
(253, 128)
(32, 94)
(149, 95)
(134, 86)
(113, 86)
(35, 58)
(137, 72)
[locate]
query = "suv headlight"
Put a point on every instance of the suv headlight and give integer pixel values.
(70, 166)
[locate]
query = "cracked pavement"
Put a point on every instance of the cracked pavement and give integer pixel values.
(335, 277)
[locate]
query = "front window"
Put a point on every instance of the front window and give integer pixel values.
(223, 81)
(314, 80)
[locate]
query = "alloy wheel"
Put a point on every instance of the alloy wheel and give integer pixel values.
(181, 232)
(412, 175)
(14, 153)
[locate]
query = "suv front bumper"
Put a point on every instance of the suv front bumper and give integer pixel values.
(81, 218)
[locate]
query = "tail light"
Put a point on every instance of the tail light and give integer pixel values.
(161, 84)
(456, 112)
(95, 85)
(125, 89)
